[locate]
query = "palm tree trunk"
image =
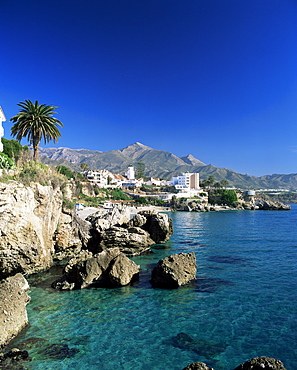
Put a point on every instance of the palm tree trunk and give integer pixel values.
(35, 152)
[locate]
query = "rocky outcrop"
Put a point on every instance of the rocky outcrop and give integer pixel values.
(261, 363)
(158, 225)
(175, 270)
(132, 241)
(113, 228)
(108, 268)
(273, 206)
(13, 301)
(105, 218)
(28, 219)
(71, 236)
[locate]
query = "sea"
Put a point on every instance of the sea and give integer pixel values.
(242, 305)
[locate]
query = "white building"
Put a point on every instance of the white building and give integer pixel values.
(100, 177)
(130, 173)
(187, 181)
(2, 119)
(156, 182)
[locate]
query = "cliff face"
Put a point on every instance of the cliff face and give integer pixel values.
(28, 219)
(13, 301)
(34, 230)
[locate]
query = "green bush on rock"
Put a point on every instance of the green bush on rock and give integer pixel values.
(6, 162)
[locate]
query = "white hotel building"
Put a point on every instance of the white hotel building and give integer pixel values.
(186, 181)
(187, 184)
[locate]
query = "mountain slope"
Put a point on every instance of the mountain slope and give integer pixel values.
(160, 163)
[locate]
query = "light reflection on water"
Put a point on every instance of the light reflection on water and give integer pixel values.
(242, 305)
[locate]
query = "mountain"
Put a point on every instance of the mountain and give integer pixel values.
(160, 163)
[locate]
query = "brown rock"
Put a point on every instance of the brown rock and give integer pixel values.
(132, 242)
(175, 270)
(13, 301)
(28, 219)
(158, 225)
(261, 363)
(122, 271)
(108, 268)
(198, 366)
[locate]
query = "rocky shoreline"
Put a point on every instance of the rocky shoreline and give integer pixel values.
(36, 230)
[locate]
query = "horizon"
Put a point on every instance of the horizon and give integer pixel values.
(214, 79)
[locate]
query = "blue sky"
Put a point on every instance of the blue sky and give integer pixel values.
(214, 78)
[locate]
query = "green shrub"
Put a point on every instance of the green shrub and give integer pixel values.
(6, 162)
(65, 171)
(38, 172)
(222, 196)
(13, 149)
(67, 203)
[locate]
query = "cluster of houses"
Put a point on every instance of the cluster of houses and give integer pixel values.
(186, 185)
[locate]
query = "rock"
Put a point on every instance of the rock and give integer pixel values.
(108, 268)
(198, 366)
(132, 241)
(261, 363)
(114, 229)
(13, 360)
(13, 301)
(72, 235)
(202, 207)
(175, 270)
(122, 271)
(118, 215)
(28, 219)
(137, 221)
(58, 351)
(158, 225)
(274, 206)
(202, 347)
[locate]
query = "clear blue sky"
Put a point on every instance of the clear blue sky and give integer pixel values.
(213, 78)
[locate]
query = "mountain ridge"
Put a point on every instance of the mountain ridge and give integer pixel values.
(160, 163)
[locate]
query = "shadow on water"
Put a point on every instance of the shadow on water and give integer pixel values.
(211, 285)
(44, 280)
(229, 260)
(191, 243)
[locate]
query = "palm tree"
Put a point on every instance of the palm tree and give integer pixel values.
(35, 121)
(84, 166)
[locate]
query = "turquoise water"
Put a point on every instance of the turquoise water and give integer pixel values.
(243, 304)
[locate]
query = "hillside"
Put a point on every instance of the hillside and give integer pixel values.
(160, 163)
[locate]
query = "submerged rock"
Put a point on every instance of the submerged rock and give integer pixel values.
(58, 351)
(175, 270)
(202, 347)
(13, 360)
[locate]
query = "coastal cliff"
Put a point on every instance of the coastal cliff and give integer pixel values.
(29, 216)
(31, 219)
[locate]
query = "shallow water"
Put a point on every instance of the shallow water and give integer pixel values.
(243, 303)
